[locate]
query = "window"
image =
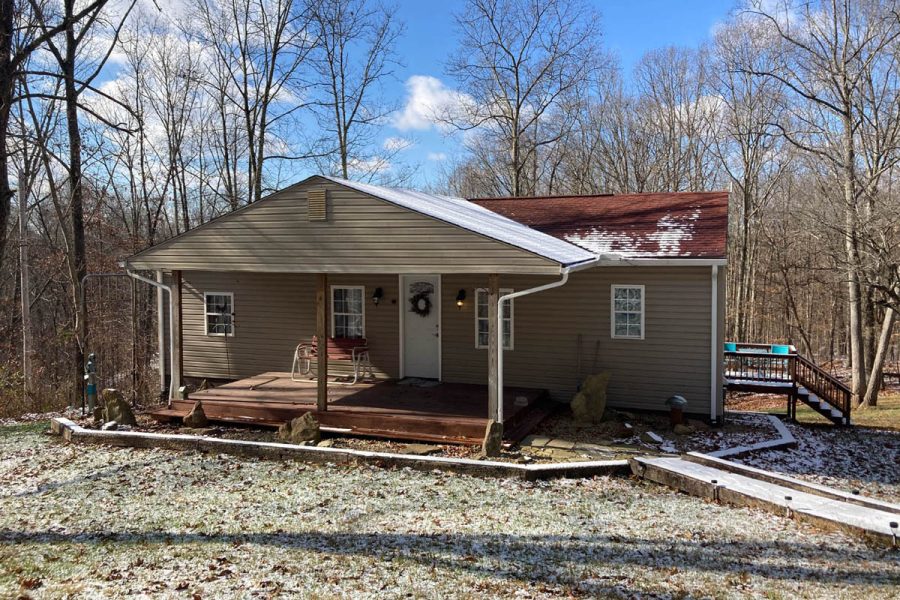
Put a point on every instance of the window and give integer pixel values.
(628, 311)
(347, 312)
(481, 319)
(219, 313)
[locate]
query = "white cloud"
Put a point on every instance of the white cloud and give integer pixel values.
(368, 166)
(396, 144)
(429, 103)
(437, 156)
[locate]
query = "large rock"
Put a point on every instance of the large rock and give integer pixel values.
(115, 408)
(300, 430)
(197, 417)
(493, 439)
(589, 404)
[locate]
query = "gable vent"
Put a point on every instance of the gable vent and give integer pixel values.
(316, 205)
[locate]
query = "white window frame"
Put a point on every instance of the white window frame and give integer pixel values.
(612, 310)
(362, 289)
(512, 324)
(207, 314)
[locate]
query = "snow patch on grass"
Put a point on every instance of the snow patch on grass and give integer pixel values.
(94, 521)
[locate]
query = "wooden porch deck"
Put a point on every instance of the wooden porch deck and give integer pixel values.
(444, 413)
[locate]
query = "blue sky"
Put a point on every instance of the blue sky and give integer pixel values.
(630, 28)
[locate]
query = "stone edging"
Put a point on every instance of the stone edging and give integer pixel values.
(72, 432)
(785, 440)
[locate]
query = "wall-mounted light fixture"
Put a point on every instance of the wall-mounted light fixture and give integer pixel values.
(460, 298)
(377, 295)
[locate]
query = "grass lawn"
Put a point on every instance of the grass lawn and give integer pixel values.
(86, 522)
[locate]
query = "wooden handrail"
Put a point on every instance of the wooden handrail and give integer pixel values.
(823, 384)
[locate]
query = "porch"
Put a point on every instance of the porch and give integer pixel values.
(424, 411)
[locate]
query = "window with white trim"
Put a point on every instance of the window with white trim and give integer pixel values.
(627, 305)
(348, 318)
(219, 313)
(481, 319)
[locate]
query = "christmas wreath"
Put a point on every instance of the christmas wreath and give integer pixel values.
(421, 304)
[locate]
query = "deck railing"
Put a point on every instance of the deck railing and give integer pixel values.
(759, 366)
(822, 384)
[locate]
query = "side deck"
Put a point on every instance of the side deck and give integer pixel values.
(417, 410)
(774, 369)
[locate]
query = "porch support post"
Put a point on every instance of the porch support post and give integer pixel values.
(493, 347)
(322, 336)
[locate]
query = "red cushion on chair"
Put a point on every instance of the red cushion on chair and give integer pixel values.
(340, 348)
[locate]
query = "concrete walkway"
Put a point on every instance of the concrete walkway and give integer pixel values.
(876, 521)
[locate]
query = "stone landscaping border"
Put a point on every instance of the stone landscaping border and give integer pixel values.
(784, 440)
(74, 433)
(791, 482)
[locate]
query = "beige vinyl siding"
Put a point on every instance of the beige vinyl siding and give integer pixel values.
(273, 313)
(673, 358)
(361, 234)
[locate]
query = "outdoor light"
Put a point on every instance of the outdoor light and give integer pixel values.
(460, 298)
(377, 295)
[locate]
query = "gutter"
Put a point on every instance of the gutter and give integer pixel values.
(166, 288)
(541, 288)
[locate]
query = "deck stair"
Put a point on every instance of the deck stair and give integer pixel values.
(754, 368)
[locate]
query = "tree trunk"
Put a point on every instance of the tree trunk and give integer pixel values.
(884, 342)
(7, 82)
(78, 265)
(25, 284)
(857, 352)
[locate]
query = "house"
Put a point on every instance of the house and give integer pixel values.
(629, 284)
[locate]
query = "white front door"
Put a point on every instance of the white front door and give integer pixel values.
(421, 314)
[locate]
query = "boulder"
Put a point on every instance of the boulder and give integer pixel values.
(300, 430)
(493, 439)
(589, 403)
(115, 408)
(196, 418)
(680, 429)
(649, 437)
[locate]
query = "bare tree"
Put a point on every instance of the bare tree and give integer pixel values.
(257, 48)
(825, 50)
(516, 60)
(353, 57)
(749, 147)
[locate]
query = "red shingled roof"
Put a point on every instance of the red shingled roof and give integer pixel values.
(657, 225)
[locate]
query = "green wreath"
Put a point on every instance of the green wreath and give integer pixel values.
(421, 304)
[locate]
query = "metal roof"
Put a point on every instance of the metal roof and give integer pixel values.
(477, 219)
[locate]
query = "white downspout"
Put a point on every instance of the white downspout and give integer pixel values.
(714, 346)
(168, 289)
(160, 332)
(500, 301)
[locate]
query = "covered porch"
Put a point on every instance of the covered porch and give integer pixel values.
(407, 409)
